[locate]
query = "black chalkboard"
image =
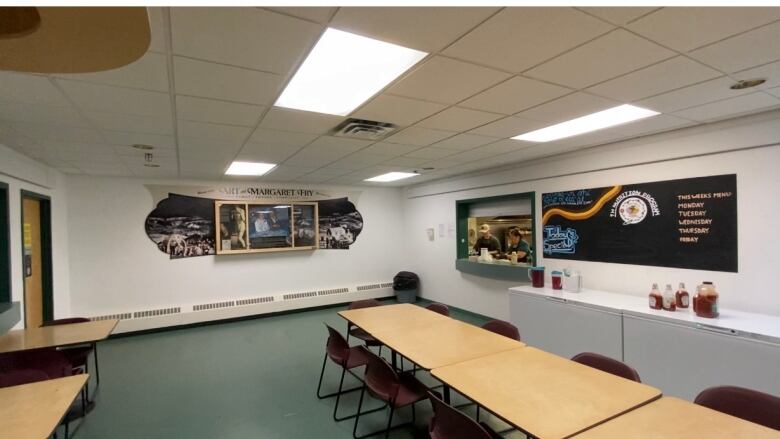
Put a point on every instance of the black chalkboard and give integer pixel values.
(686, 223)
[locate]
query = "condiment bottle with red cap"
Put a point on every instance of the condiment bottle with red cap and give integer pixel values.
(656, 299)
(681, 297)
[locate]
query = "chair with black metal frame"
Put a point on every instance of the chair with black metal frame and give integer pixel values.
(79, 355)
(439, 308)
(360, 333)
(450, 423)
(748, 404)
(607, 364)
(396, 390)
(348, 358)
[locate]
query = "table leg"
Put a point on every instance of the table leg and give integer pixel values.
(394, 359)
(446, 393)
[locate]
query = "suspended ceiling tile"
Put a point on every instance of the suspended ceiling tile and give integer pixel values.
(64, 133)
(427, 29)
(358, 160)
(210, 80)
(299, 121)
(30, 89)
(743, 51)
(618, 15)
(198, 167)
(506, 145)
(338, 144)
(207, 149)
(458, 119)
(276, 137)
(210, 110)
(397, 110)
(405, 161)
(150, 72)
(265, 153)
(774, 91)
(568, 107)
(131, 123)
(463, 142)
(418, 136)
(685, 29)
(43, 114)
(157, 27)
(315, 157)
(604, 58)
(440, 164)
(131, 138)
(472, 155)
(446, 81)
(157, 153)
(318, 15)
(204, 130)
(241, 36)
(430, 153)
(516, 39)
(698, 94)
(655, 124)
(509, 126)
(100, 97)
(287, 171)
(659, 78)
(389, 149)
(770, 72)
(730, 107)
(514, 95)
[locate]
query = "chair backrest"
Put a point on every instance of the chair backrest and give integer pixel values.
(608, 365)
(337, 347)
(21, 376)
(450, 423)
(750, 405)
(67, 321)
(503, 328)
(439, 308)
(367, 303)
(50, 361)
(380, 378)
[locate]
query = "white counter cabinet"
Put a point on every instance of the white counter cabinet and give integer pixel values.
(678, 352)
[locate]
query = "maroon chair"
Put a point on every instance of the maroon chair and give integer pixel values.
(358, 332)
(449, 423)
(347, 358)
(18, 377)
(606, 364)
(750, 405)
(396, 390)
(439, 308)
(501, 327)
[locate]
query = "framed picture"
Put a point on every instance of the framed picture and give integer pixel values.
(266, 227)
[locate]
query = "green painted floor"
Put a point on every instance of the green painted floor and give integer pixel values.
(249, 379)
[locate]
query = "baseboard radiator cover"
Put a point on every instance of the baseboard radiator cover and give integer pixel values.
(185, 314)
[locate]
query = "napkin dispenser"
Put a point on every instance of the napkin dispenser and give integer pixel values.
(572, 281)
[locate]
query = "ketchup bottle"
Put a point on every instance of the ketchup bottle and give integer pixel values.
(656, 300)
(669, 302)
(681, 297)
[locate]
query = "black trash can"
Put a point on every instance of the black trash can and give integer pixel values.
(405, 285)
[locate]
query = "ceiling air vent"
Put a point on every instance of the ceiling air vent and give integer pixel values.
(363, 129)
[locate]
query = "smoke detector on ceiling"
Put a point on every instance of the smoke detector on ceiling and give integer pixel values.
(363, 129)
(747, 83)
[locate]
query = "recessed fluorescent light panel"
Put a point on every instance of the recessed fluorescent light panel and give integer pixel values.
(391, 176)
(585, 124)
(343, 71)
(249, 168)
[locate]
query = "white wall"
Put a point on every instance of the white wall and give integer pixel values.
(116, 268)
(729, 147)
(23, 173)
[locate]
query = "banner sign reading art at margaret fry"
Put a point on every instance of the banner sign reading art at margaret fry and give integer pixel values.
(688, 223)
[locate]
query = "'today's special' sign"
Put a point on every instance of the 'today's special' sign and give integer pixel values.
(687, 223)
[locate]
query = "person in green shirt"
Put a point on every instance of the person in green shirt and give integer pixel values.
(488, 241)
(516, 244)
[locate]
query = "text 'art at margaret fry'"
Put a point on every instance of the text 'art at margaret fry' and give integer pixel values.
(687, 223)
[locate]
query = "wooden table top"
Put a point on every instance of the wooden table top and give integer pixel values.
(57, 335)
(396, 316)
(545, 395)
(444, 342)
(672, 418)
(33, 411)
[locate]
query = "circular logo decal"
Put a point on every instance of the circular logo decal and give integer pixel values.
(632, 210)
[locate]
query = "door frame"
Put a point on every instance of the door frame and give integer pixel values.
(5, 246)
(47, 282)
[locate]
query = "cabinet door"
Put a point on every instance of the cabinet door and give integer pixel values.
(566, 328)
(684, 360)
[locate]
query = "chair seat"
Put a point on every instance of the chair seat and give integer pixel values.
(78, 355)
(410, 391)
(357, 357)
(365, 336)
